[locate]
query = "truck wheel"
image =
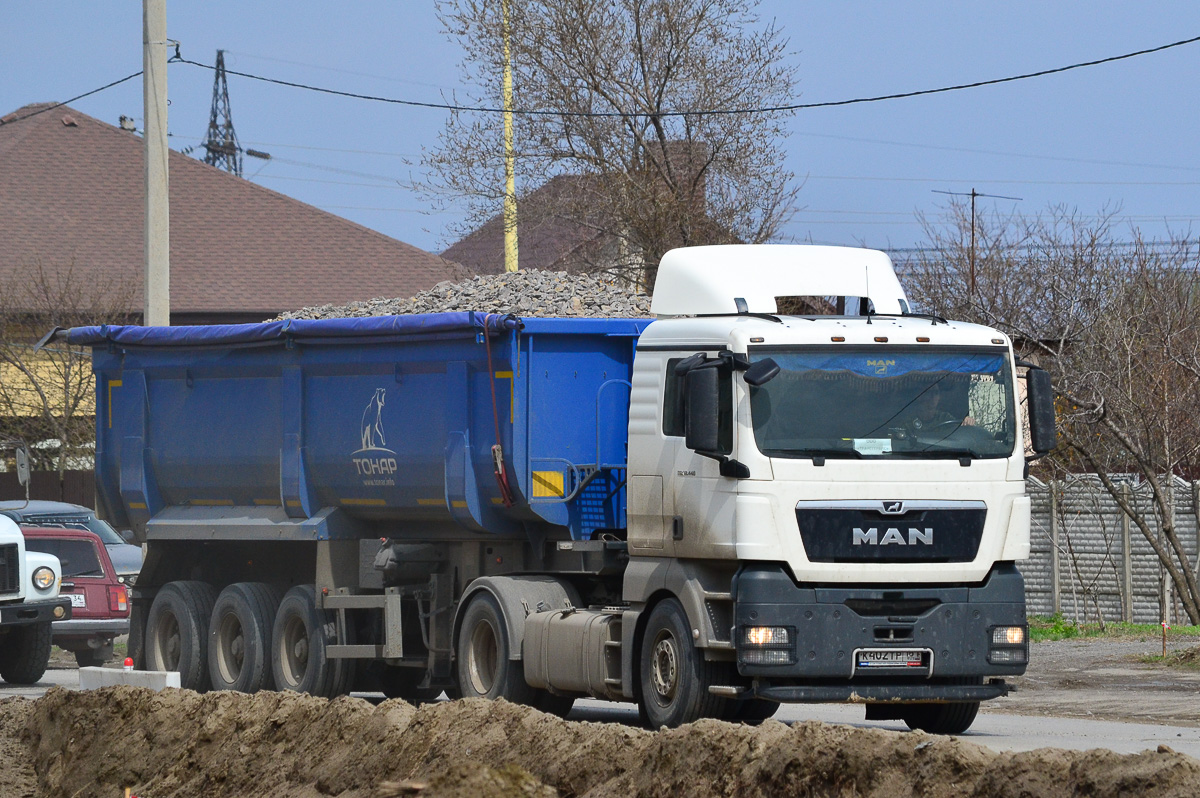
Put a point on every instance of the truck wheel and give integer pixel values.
(177, 632)
(402, 683)
(94, 657)
(674, 675)
(25, 653)
(485, 669)
(301, 636)
(239, 637)
(953, 718)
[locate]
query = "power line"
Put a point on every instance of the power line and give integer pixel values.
(698, 112)
(73, 99)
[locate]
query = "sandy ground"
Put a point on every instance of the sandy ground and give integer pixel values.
(179, 743)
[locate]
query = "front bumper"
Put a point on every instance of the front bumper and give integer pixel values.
(951, 627)
(28, 612)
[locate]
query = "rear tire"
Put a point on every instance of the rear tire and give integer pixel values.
(674, 675)
(239, 637)
(485, 669)
(25, 653)
(299, 641)
(177, 632)
(941, 718)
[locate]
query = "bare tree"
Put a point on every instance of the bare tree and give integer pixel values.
(639, 178)
(1118, 325)
(48, 397)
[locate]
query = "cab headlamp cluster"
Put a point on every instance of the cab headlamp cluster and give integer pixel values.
(1009, 646)
(43, 578)
(767, 645)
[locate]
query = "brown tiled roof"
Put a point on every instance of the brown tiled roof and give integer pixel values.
(71, 192)
(550, 243)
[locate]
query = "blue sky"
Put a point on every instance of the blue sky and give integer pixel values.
(1120, 135)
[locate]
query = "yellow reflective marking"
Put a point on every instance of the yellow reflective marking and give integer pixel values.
(497, 500)
(267, 502)
(512, 392)
(211, 502)
(365, 502)
(293, 502)
(547, 483)
(137, 506)
(458, 504)
(112, 384)
(431, 502)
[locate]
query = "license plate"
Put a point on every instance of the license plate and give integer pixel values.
(872, 659)
(78, 600)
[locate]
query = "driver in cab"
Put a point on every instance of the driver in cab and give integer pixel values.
(928, 416)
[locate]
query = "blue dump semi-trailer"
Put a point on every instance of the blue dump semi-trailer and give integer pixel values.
(707, 514)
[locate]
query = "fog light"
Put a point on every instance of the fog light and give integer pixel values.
(1008, 636)
(766, 636)
(1007, 656)
(43, 578)
(768, 656)
(59, 612)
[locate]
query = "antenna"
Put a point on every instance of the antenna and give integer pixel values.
(973, 195)
(867, 278)
(223, 150)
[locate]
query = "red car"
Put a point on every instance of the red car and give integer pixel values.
(99, 601)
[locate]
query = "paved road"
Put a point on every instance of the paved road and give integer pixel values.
(997, 731)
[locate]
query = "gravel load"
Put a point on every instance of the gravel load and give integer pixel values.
(523, 293)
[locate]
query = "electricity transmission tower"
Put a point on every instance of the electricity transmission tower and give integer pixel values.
(220, 143)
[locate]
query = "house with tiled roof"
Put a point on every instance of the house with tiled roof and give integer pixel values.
(71, 196)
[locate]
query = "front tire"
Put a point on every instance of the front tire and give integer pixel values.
(674, 675)
(953, 718)
(239, 637)
(25, 653)
(485, 667)
(300, 640)
(177, 632)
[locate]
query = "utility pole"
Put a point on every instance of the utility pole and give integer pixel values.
(220, 143)
(971, 252)
(510, 174)
(157, 230)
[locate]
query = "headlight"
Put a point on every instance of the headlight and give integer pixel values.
(43, 578)
(1008, 636)
(766, 636)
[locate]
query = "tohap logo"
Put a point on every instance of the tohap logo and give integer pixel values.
(870, 537)
(371, 460)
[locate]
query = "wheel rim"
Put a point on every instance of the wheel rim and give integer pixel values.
(293, 651)
(231, 648)
(482, 658)
(664, 667)
(167, 642)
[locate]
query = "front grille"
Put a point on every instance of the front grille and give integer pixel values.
(10, 569)
(930, 532)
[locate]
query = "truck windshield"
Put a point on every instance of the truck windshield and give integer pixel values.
(876, 402)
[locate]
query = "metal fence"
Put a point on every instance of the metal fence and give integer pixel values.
(1089, 560)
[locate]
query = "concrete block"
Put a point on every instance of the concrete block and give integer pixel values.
(92, 678)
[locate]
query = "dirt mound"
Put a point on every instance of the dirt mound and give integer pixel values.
(179, 743)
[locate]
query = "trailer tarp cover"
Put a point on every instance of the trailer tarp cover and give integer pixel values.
(296, 329)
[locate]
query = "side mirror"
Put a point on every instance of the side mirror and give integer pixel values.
(23, 466)
(1043, 436)
(761, 372)
(702, 409)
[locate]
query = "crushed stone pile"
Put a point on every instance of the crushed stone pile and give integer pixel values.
(523, 293)
(179, 743)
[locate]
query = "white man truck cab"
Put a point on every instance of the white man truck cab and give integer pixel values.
(781, 461)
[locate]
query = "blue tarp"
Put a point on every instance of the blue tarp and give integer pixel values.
(296, 329)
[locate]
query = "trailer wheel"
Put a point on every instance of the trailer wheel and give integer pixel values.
(177, 632)
(299, 641)
(954, 718)
(675, 677)
(485, 669)
(239, 637)
(25, 653)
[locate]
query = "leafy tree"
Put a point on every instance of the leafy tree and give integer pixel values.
(641, 178)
